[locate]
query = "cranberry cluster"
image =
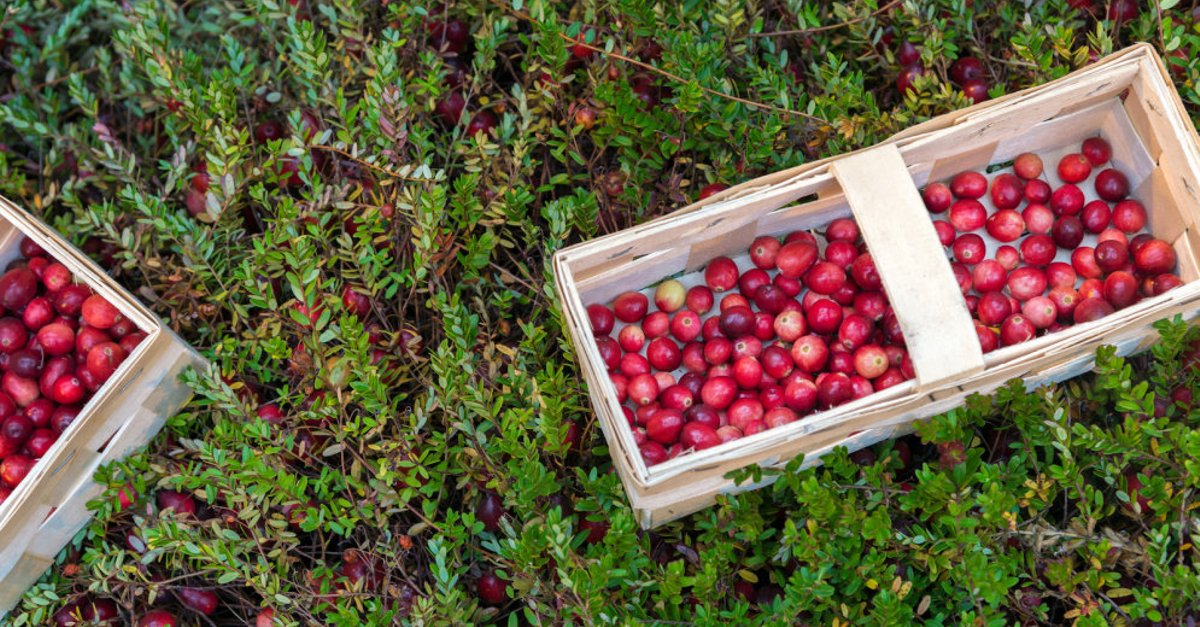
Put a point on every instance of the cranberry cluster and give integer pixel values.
(1021, 290)
(805, 327)
(59, 343)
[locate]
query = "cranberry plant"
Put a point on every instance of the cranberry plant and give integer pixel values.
(349, 207)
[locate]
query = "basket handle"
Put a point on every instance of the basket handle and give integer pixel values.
(920, 285)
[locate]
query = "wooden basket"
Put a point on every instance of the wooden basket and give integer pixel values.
(50, 506)
(1126, 98)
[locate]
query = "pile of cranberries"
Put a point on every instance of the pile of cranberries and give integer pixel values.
(802, 326)
(1028, 267)
(59, 343)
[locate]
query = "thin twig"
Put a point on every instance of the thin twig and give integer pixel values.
(370, 165)
(821, 29)
(665, 74)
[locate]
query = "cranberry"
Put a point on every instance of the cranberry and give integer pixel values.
(1111, 185)
(1074, 168)
(450, 108)
(718, 392)
(1016, 329)
(763, 250)
(699, 436)
(1083, 260)
(700, 299)
(969, 184)
(658, 324)
(967, 69)
(652, 453)
(1068, 231)
(907, 54)
(945, 232)
(937, 197)
(1091, 309)
(1027, 166)
(1006, 225)
(1154, 257)
(870, 361)
(967, 215)
(795, 258)
(493, 590)
(1059, 274)
(854, 331)
(1123, 10)
(1166, 282)
(482, 122)
(631, 339)
(721, 274)
(750, 282)
(1097, 151)
(647, 95)
(789, 325)
(825, 278)
(841, 253)
(1038, 250)
(40, 441)
(15, 468)
(56, 339)
(962, 276)
(1111, 256)
(1037, 191)
(1038, 218)
(17, 287)
(23, 391)
(824, 316)
(1096, 216)
(1026, 282)
(69, 300)
(969, 249)
(56, 276)
(686, 326)
(810, 353)
(1041, 311)
(976, 90)
(664, 426)
(103, 360)
(1067, 200)
(630, 306)
(198, 600)
(993, 308)
(1120, 289)
(907, 77)
(13, 335)
(833, 389)
(1129, 216)
(181, 502)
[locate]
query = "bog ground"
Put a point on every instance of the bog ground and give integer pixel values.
(349, 206)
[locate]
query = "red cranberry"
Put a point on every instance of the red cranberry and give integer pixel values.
(1037, 191)
(967, 69)
(1091, 309)
(1083, 260)
(1028, 166)
(721, 274)
(1026, 282)
(1129, 216)
(907, 77)
(824, 316)
(1068, 231)
(1097, 151)
(810, 353)
(825, 278)
(1074, 168)
(1111, 256)
(450, 108)
(1111, 185)
(1060, 274)
(1154, 257)
(1096, 216)
(1016, 329)
(1120, 289)
(17, 287)
(945, 232)
(907, 54)
(967, 215)
(1038, 250)
(969, 249)
(763, 251)
(1006, 225)
(630, 306)
(699, 299)
(993, 308)
(794, 259)
(493, 590)
(69, 300)
(937, 197)
(1067, 200)
(976, 91)
(969, 184)
(833, 389)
